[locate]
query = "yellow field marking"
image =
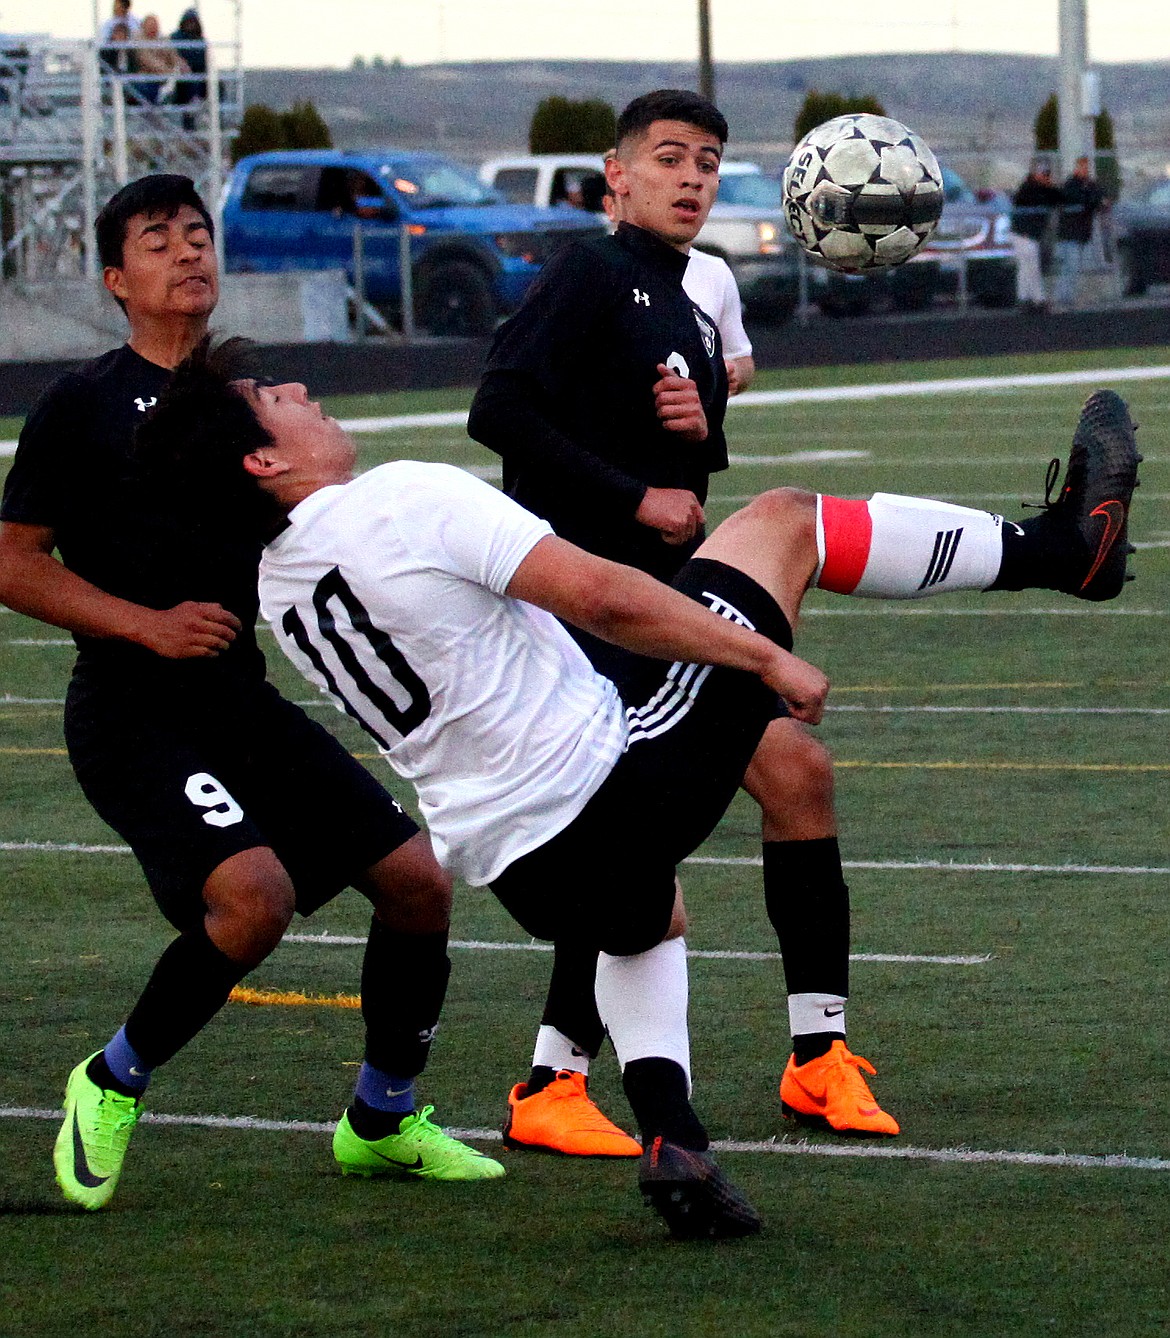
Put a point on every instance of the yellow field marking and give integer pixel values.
(293, 999)
(1006, 766)
(34, 752)
(953, 687)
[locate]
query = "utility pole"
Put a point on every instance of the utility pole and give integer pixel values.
(706, 65)
(1079, 89)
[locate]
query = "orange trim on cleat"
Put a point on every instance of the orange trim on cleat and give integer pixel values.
(829, 1092)
(562, 1118)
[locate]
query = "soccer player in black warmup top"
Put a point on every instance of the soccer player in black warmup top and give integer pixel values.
(239, 808)
(605, 395)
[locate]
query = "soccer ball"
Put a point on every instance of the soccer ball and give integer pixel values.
(861, 192)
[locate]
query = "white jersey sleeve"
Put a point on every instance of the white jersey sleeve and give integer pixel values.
(710, 284)
(389, 594)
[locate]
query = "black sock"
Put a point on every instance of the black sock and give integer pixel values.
(571, 1006)
(1043, 552)
(189, 985)
(657, 1092)
(808, 904)
(372, 1124)
(404, 983)
(98, 1071)
(814, 1044)
(539, 1079)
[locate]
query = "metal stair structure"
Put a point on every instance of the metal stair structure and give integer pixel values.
(73, 128)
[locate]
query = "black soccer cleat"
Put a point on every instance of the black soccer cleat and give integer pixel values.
(1094, 502)
(692, 1195)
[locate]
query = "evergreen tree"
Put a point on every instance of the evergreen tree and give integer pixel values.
(818, 107)
(561, 125)
(260, 130)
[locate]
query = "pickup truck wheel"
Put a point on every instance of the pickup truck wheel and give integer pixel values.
(456, 299)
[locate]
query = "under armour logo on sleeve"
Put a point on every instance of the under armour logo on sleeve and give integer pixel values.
(642, 297)
(143, 405)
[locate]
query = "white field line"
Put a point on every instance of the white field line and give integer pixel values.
(721, 861)
(799, 1147)
(811, 395)
(895, 610)
(706, 955)
(319, 703)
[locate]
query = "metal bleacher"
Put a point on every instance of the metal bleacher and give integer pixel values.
(73, 128)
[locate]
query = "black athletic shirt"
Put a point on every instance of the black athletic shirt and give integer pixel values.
(567, 398)
(73, 473)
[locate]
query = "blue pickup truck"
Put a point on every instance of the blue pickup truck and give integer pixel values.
(472, 258)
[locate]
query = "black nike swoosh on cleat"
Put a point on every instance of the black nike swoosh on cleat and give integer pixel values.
(81, 1172)
(415, 1165)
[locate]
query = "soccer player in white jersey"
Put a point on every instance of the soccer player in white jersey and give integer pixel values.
(711, 286)
(425, 604)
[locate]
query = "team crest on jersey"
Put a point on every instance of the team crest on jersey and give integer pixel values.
(707, 330)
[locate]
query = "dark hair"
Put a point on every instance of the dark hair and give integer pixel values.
(162, 193)
(190, 448)
(671, 104)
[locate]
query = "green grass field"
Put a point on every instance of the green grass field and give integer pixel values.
(1004, 779)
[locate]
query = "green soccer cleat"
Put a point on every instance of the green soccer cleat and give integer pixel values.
(92, 1143)
(420, 1149)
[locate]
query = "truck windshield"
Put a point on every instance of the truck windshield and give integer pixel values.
(436, 184)
(749, 188)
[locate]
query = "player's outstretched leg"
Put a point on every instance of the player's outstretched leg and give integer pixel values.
(91, 1145)
(419, 1150)
(1083, 536)
(892, 547)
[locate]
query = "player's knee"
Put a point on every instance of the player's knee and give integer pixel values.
(792, 511)
(791, 777)
(409, 890)
(250, 903)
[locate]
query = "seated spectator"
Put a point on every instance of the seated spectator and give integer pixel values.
(159, 60)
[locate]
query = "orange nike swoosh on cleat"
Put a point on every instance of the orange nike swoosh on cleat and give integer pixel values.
(1113, 524)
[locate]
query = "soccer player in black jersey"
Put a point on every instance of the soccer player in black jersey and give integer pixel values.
(239, 808)
(604, 395)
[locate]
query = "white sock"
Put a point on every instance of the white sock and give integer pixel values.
(905, 547)
(809, 1013)
(643, 1003)
(554, 1050)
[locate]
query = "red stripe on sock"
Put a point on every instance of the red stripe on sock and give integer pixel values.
(848, 530)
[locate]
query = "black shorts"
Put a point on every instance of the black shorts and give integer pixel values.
(693, 730)
(187, 787)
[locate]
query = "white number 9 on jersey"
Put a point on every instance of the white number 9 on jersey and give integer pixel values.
(204, 791)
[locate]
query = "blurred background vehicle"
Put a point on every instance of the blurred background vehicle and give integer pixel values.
(1143, 239)
(745, 227)
(472, 258)
(969, 256)
(974, 235)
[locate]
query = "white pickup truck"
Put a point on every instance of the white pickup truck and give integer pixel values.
(745, 227)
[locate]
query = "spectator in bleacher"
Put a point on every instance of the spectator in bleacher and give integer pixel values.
(157, 59)
(1033, 206)
(193, 48)
(121, 15)
(1083, 197)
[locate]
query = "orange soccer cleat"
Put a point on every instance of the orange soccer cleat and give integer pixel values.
(562, 1118)
(829, 1092)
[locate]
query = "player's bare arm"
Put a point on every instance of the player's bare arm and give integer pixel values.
(34, 583)
(634, 610)
(679, 407)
